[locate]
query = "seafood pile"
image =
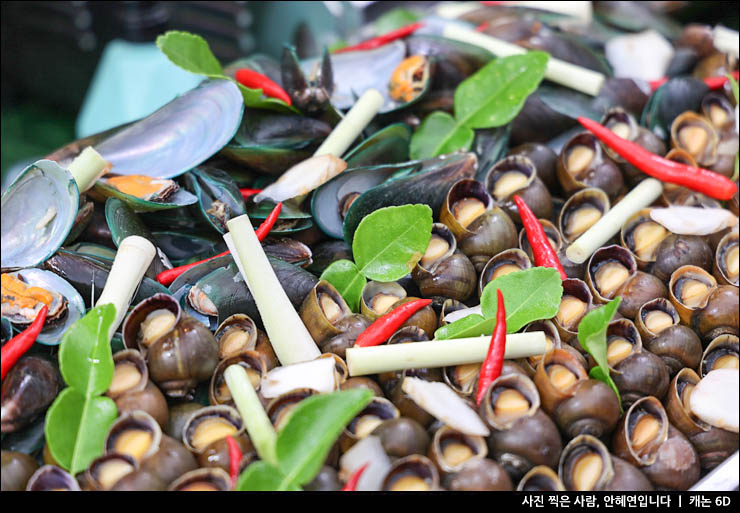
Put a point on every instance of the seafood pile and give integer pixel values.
(494, 250)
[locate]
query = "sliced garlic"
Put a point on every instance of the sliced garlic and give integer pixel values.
(715, 399)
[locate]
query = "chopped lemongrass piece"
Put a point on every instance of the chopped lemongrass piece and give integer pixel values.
(368, 450)
(439, 353)
(317, 375)
(352, 125)
(564, 73)
(288, 335)
(694, 220)
(303, 178)
(132, 260)
(726, 40)
(605, 228)
(453, 10)
(443, 403)
(87, 167)
(258, 425)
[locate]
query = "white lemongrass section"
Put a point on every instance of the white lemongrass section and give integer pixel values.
(726, 40)
(288, 335)
(317, 375)
(260, 429)
(303, 178)
(368, 450)
(694, 220)
(609, 225)
(132, 260)
(439, 353)
(443, 403)
(576, 77)
(87, 167)
(715, 399)
(353, 123)
(644, 56)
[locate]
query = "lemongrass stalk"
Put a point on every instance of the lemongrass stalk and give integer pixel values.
(132, 260)
(353, 123)
(439, 353)
(288, 335)
(451, 10)
(260, 429)
(576, 77)
(86, 168)
(317, 375)
(609, 225)
(726, 40)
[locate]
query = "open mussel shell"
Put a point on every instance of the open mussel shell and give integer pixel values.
(253, 364)
(209, 425)
(180, 135)
(655, 316)
(182, 248)
(583, 164)
(646, 439)
(290, 220)
(51, 477)
(388, 145)
(695, 134)
(218, 196)
(608, 270)
(180, 198)
(149, 320)
(508, 261)
(202, 480)
(719, 316)
(451, 450)
(689, 289)
(331, 201)
(413, 473)
(582, 210)
(721, 353)
(642, 236)
(540, 479)
(65, 309)
(726, 259)
(517, 175)
(33, 231)
(93, 250)
(378, 297)
(427, 183)
(576, 302)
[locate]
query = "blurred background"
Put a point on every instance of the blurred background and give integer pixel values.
(70, 69)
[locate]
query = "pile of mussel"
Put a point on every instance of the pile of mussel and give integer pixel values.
(552, 427)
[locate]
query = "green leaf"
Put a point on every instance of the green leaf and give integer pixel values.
(733, 84)
(255, 99)
(592, 336)
(395, 19)
(529, 295)
(85, 358)
(260, 476)
(439, 134)
(315, 424)
(347, 279)
(389, 242)
(76, 428)
(495, 94)
(598, 373)
(190, 52)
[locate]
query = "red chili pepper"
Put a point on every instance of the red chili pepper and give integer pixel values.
(379, 41)
(254, 80)
(268, 223)
(167, 277)
(351, 484)
(482, 27)
(491, 368)
(712, 82)
(544, 254)
(698, 179)
(235, 458)
(21, 343)
(386, 325)
(246, 193)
